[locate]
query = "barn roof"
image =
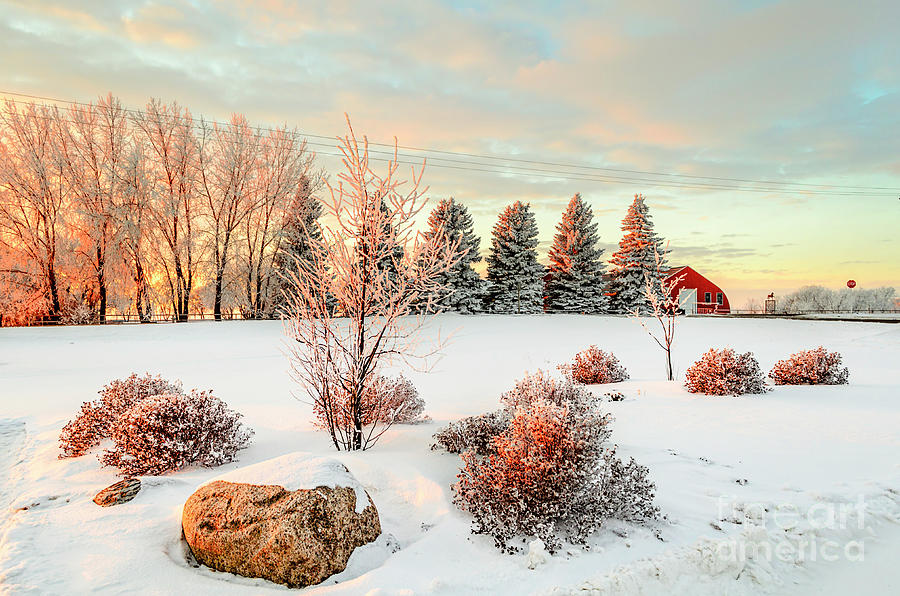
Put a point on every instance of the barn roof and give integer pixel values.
(674, 270)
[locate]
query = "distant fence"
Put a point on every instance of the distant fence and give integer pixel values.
(820, 311)
(133, 319)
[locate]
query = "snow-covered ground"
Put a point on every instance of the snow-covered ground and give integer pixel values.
(734, 475)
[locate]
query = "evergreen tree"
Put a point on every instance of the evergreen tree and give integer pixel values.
(636, 259)
(575, 281)
(464, 288)
(515, 278)
(300, 233)
(389, 260)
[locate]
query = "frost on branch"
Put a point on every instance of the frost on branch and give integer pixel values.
(593, 366)
(542, 468)
(94, 421)
(168, 432)
(724, 372)
(811, 367)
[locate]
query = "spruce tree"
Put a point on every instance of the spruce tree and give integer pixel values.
(515, 278)
(575, 281)
(464, 288)
(299, 234)
(636, 260)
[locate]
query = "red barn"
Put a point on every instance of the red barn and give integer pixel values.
(695, 293)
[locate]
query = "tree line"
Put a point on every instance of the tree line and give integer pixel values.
(104, 209)
(576, 279)
(153, 212)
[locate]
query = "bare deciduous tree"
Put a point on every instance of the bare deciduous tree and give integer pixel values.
(228, 157)
(35, 193)
(663, 306)
(96, 151)
(168, 131)
(283, 182)
(349, 314)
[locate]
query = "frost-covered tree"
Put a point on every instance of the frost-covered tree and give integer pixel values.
(575, 281)
(367, 215)
(515, 278)
(462, 287)
(35, 197)
(636, 260)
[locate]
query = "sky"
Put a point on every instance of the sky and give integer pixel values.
(799, 92)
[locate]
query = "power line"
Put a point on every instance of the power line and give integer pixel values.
(505, 169)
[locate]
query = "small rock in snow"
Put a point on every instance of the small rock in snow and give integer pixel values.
(120, 492)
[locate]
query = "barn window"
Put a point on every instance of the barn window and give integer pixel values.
(718, 297)
(707, 297)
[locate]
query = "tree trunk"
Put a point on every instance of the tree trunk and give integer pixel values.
(217, 303)
(55, 307)
(101, 283)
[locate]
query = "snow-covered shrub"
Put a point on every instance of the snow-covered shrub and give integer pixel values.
(399, 401)
(725, 372)
(168, 432)
(541, 386)
(551, 478)
(93, 422)
(594, 366)
(810, 367)
(475, 433)
(615, 395)
(385, 400)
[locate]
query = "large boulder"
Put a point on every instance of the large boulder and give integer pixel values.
(294, 520)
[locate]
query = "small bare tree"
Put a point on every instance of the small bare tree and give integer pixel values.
(350, 306)
(664, 307)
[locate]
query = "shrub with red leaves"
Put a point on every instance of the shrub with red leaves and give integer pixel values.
(724, 372)
(551, 477)
(93, 422)
(811, 367)
(594, 366)
(547, 471)
(168, 432)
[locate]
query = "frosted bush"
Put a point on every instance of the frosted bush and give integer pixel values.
(551, 477)
(399, 401)
(724, 372)
(811, 367)
(168, 432)
(475, 433)
(541, 386)
(541, 468)
(594, 366)
(385, 400)
(93, 422)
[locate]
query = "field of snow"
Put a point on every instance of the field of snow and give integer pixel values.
(748, 485)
